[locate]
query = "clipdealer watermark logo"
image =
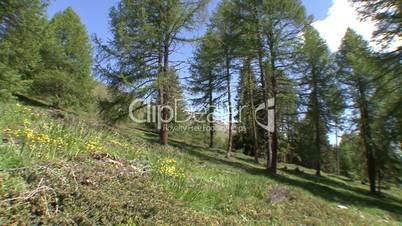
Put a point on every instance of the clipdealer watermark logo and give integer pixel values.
(152, 113)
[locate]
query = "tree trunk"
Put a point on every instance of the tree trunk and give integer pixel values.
(265, 97)
(274, 134)
(211, 135)
(164, 100)
(318, 149)
(228, 79)
(366, 137)
(338, 168)
(379, 181)
(253, 118)
(263, 79)
(164, 140)
(211, 117)
(316, 114)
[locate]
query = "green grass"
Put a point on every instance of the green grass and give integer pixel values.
(103, 175)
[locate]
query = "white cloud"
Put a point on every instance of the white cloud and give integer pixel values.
(342, 15)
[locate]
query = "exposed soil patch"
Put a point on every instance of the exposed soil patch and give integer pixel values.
(280, 194)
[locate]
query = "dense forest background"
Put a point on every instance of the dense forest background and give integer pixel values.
(268, 48)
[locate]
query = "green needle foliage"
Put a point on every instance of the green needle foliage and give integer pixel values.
(136, 63)
(207, 82)
(319, 93)
(46, 59)
(357, 73)
(22, 24)
(67, 61)
(387, 16)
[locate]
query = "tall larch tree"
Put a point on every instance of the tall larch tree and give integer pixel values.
(67, 61)
(206, 83)
(282, 25)
(22, 24)
(357, 73)
(136, 63)
(253, 46)
(225, 26)
(318, 90)
(387, 16)
(247, 95)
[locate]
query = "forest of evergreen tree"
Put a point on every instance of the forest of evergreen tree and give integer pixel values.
(269, 48)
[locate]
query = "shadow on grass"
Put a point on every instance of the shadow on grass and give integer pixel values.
(318, 186)
(32, 101)
(324, 180)
(323, 187)
(249, 159)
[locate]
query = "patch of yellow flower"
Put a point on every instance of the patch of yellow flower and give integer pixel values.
(31, 137)
(59, 142)
(94, 146)
(116, 143)
(119, 144)
(29, 134)
(168, 168)
(26, 122)
(44, 139)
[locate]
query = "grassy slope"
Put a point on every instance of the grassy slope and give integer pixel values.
(100, 175)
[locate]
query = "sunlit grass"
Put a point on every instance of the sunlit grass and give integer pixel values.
(236, 190)
(32, 132)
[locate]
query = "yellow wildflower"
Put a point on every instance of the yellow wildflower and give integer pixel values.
(59, 142)
(29, 134)
(168, 168)
(169, 161)
(43, 138)
(93, 146)
(26, 122)
(115, 142)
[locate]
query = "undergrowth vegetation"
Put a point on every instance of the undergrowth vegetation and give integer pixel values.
(56, 168)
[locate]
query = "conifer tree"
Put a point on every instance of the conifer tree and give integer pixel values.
(22, 24)
(67, 62)
(386, 14)
(253, 46)
(357, 72)
(273, 28)
(225, 25)
(282, 24)
(318, 91)
(136, 63)
(206, 82)
(247, 102)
